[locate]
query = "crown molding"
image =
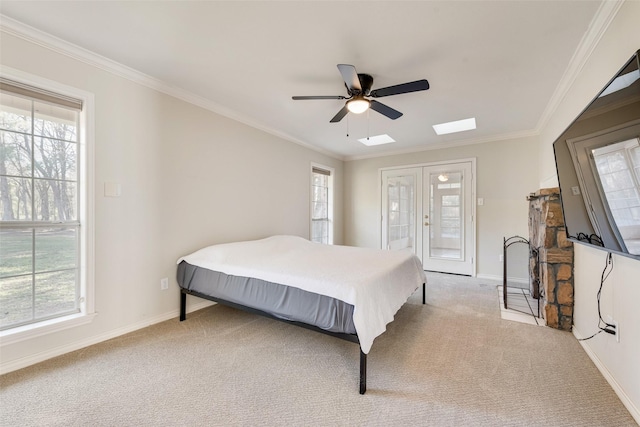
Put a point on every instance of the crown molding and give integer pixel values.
(58, 45)
(598, 26)
(448, 144)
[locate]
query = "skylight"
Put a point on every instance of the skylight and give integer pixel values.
(377, 140)
(457, 126)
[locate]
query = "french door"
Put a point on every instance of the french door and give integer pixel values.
(447, 218)
(428, 210)
(400, 208)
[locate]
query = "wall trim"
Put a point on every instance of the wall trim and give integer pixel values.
(489, 277)
(77, 345)
(601, 21)
(448, 144)
(626, 401)
(598, 26)
(48, 41)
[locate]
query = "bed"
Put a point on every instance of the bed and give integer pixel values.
(347, 292)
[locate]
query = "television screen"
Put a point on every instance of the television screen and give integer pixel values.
(598, 165)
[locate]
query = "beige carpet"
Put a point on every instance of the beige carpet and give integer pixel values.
(452, 362)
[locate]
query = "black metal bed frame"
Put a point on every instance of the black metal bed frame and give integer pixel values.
(348, 337)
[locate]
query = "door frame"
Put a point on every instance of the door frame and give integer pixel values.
(419, 204)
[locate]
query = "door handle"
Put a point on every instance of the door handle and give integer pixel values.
(426, 223)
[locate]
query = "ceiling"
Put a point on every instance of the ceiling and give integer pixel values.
(498, 61)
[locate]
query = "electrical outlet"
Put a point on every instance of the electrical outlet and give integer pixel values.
(616, 327)
(164, 284)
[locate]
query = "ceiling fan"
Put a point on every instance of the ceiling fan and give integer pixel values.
(359, 88)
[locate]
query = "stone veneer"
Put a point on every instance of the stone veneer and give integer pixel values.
(552, 269)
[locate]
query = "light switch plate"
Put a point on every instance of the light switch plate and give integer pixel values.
(112, 189)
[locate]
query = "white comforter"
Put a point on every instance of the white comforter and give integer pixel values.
(376, 282)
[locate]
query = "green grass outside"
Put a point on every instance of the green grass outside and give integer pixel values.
(53, 292)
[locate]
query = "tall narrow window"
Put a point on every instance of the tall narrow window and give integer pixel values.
(40, 237)
(321, 204)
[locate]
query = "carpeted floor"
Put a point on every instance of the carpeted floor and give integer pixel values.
(452, 362)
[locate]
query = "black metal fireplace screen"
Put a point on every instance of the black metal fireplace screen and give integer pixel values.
(533, 271)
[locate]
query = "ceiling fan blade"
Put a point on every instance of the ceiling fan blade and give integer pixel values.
(350, 77)
(340, 115)
(416, 86)
(298, 98)
(385, 110)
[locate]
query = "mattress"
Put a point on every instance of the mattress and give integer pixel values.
(281, 301)
(375, 282)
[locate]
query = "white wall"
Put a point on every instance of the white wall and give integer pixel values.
(507, 173)
(619, 362)
(189, 178)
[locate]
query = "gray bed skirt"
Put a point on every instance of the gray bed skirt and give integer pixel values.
(281, 301)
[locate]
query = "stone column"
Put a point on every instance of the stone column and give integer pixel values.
(554, 264)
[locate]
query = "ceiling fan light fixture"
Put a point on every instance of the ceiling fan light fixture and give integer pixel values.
(358, 105)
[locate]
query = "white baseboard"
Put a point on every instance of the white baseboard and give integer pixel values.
(520, 280)
(489, 277)
(58, 351)
(626, 401)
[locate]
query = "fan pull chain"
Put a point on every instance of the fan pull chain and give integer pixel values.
(347, 126)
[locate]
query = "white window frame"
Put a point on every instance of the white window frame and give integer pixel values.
(595, 202)
(86, 138)
(330, 200)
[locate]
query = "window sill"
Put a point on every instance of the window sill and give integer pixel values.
(26, 332)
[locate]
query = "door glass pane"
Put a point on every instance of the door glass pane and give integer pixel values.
(446, 236)
(401, 212)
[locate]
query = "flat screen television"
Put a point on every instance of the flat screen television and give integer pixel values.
(598, 165)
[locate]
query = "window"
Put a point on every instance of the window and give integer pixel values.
(43, 234)
(321, 204)
(607, 166)
(618, 168)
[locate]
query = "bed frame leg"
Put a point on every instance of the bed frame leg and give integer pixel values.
(183, 306)
(424, 293)
(363, 372)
